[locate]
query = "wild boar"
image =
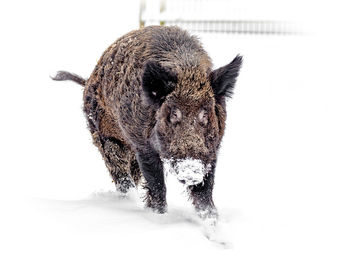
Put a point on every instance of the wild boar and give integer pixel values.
(155, 106)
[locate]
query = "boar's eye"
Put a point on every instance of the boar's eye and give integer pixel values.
(203, 117)
(175, 116)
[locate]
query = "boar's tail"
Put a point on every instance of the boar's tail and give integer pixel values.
(64, 75)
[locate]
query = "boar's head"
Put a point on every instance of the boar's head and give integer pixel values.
(190, 115)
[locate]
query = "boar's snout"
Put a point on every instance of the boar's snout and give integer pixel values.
(188, 143)
(184, 152)
(188, 171)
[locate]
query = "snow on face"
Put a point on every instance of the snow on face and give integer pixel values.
(189, 171)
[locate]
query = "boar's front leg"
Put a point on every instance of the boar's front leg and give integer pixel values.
(202, 196)
(152, 170)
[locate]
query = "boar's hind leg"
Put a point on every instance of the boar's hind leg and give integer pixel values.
(152, 170)
(202, 197)
(117, 156)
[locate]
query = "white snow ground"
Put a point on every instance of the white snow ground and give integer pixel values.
(282, 181)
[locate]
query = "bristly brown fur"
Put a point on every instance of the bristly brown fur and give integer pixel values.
(153, 95)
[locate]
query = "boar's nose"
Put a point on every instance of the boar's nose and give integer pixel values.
(190, 143)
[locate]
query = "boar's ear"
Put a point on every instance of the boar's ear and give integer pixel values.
(157, 82)
(223, 79)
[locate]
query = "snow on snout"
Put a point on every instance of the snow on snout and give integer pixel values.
(190, 171)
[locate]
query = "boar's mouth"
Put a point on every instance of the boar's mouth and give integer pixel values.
(188, 171)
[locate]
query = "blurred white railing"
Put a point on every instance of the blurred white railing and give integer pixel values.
(216, 16)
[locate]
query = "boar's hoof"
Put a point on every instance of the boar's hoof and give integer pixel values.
(159, 209)
(123, 185)
(157, 206)
(208, 214)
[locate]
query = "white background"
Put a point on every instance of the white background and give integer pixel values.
(282, 182)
